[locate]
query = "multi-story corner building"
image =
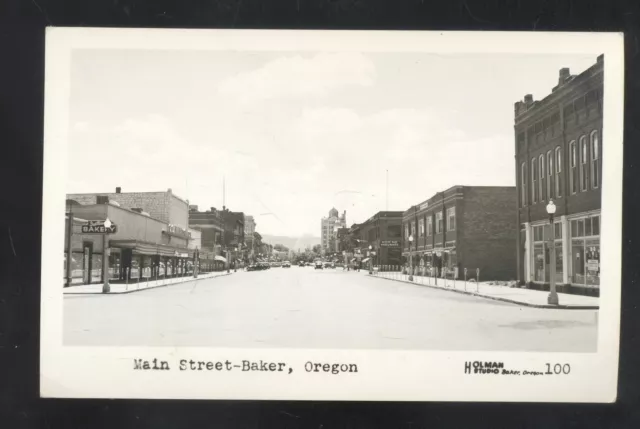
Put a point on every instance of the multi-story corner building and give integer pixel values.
(558, 147)
(164, 206)
(329, 230)
(210, 224)
(382, 234)
(463, 227)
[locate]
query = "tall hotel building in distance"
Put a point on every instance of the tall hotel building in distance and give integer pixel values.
(249, 229)
(558, 147)
(329, 231)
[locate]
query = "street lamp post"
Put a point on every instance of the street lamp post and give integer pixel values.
(105, 259)
(553, 295)
(370, 261)
(411, 258)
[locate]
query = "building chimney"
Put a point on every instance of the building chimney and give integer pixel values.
(193, 208)
(118, 190)
(517, 107)
(600, 58)
(564, 75)
(528, 100)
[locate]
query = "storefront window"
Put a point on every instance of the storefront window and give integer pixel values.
(135, 267)
(76, 267)
(592, 258)
(559, 259)
(114, 265)
(585, 251)
(96, 268)
(538, 257)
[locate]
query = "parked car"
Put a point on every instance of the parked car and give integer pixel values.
(286, 264)
(319, 265)
(253, 267)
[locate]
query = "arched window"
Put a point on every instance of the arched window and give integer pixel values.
(573, 174)
(558, 171)
(550, 174)
(523, 184)
(541, 187)
(595, 173)
(534, 178)
(583, 163)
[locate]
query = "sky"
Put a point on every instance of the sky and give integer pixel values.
(297, 133)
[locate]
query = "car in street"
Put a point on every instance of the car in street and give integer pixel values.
(253, 267)
(318, 265)
(286, 264)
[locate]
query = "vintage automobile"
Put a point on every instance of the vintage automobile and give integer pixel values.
(318, 265)
(286, 264)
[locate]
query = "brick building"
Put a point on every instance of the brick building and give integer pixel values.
(558, 147)
(383, 232)
(463, 227)
(210, 224)
(164, 205)
(249, 229)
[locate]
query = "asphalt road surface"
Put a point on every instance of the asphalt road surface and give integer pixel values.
(306, 308)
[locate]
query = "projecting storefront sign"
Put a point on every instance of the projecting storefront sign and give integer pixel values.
(99, 227)
(389, 243)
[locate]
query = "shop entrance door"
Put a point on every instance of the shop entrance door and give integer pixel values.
(87, 256)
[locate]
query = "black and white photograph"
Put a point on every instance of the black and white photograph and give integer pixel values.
(317, 208)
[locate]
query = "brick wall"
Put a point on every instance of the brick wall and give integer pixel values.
(488, 234)
(163, 206)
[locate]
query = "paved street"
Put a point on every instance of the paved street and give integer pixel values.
(307, 308)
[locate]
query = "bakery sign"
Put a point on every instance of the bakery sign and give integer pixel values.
(99, 227)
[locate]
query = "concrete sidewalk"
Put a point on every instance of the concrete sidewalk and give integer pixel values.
(135, 287)
(515, 295)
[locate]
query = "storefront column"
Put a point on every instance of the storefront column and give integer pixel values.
(566, 250)
(527, 258)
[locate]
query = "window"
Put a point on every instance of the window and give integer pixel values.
(541, 188)
(429, 226)
(413, 229)
(583, 163)
(534, 190)
(439, 226)
(557, 233)
(451, 219)
(595, 174)
(421, 228)
(572, 167)
(558, 171)
(406, 230)
(538, 233)
(523, 184)
(550, 174)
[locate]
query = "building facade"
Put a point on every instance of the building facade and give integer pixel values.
(462, 227)
(164, 206)
(329, 230)
(380, 234)
(142, 248)
(249, 229)
(210, 224)
(558, 147)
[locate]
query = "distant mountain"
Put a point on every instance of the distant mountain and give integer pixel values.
(293, 243)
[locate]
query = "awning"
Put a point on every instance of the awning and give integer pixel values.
(365, 259)
(221, 258)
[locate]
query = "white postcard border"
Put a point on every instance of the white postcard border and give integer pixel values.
(107, 372)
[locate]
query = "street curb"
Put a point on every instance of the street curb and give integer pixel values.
(495, 298)
(141, 290)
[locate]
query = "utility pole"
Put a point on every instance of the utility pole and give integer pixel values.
(387, 193)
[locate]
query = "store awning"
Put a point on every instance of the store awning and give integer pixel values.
(365, 259)
(221, 258)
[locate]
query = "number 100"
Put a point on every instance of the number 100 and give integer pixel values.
(558, 369)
